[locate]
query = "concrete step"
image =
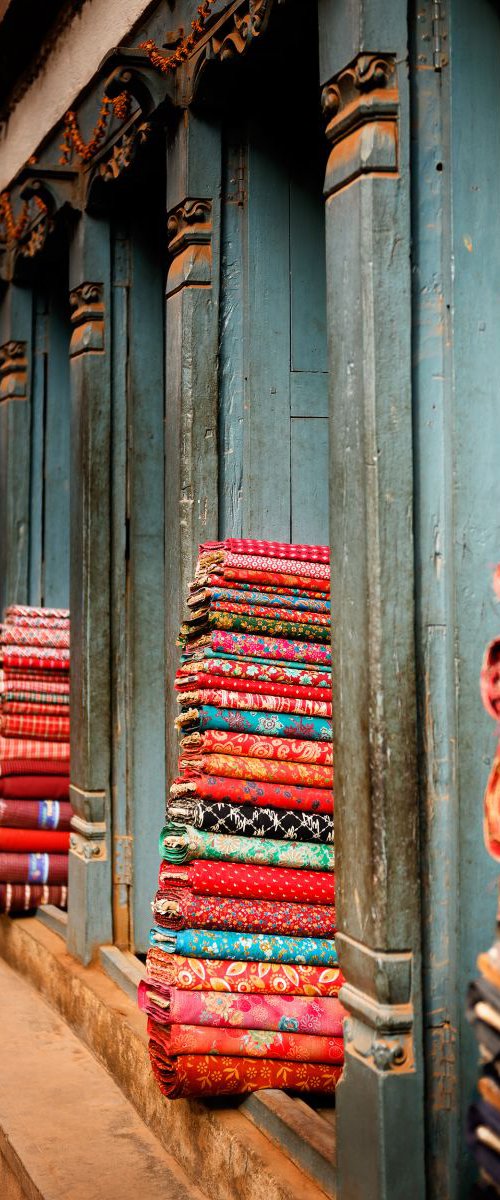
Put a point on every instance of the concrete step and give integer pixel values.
(67, 1131)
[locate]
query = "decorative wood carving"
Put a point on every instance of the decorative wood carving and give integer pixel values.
(361, 105)
(228, 36)
(13, 371)
(123, 152)
(189, 229)
(87, 318)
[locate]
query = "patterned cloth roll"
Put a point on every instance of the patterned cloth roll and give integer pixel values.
(208, 716)
(250, 882)
(50, 729)
(247, 1043)
(259, 626)
(250, 791)
(34, 868)
(254, 670)
(320, 554)
(253, 646)
(18, 898)
(34, 635)
(265, 770)
(257, 947)
(203, 681)
(281, 579)
(180, 908)
(35, 814)
(251, 820)
(295, 1014)
(262, 599)
(224, 1075)
(183, 843)
(252, 745)
(253, 701)
(209, 974)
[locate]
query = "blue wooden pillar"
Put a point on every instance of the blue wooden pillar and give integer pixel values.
(16, 323)
(192, 342)
(90, 920)
(363, 48)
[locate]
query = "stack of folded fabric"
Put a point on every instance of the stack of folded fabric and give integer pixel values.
(242, 977)
(35, 812)
(483, 1001)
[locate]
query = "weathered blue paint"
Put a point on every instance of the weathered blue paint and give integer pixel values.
(16, 325)
(56, 448)
(37, 440)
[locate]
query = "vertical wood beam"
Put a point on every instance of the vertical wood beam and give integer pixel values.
(365, 100)
(16, 327)
(90, 920)
(192, 340)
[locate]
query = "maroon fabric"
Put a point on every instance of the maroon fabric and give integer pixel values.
(35, 787)
(32, 814)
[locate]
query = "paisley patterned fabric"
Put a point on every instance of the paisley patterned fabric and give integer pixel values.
(273, 979)
(267, 672)
(251, 821)
(251, 1043)
(250, 700)
(259, 625)
(257, 947)
(251, 597)
(274, 770)
(179, 908)
(253, 745)
(250, 881)
(207, 716)
(224, 1075)
(252, 646)
(249, 791)
(293, 1014)
(181, 843)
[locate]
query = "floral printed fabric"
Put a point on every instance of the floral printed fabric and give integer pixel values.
(267, 672)
(250, 769)
(247, 880)
(180, 843)
(260, 625)
(249, 791)
(34, 635)
(252, 821)
(305, 604)
(205, 974)
(252, 646)
(262, 562)
(272, 549)
(208, 716)
(180, 908)
(253, 745)
(204, 680)
(251, 1043)
(250, 700)
(282, 579)
(243, 608)
(224, 1075)
(270, 589)
(292, 1014)
(258, 947)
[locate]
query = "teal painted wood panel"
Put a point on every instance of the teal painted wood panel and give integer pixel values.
(37, 442)
(309, 467)
(56, 449)
(475, 135)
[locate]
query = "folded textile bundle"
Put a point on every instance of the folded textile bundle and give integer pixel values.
(244, 911)
(35, 812)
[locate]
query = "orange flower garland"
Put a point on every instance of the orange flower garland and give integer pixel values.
(16, 229)
(166, 65)
(72, 137)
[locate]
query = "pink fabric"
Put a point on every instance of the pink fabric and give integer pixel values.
(299, 1014)
(273, 549)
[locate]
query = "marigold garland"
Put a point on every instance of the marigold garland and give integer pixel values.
(170, 64)
(15, 230)
(72, 138)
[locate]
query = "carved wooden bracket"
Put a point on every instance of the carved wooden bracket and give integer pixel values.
(228, 37)
(13, 371)
(123, 152)
(87, 319)
(189, 228)
(361, 105)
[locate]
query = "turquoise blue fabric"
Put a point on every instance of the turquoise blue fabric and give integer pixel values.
(303, 603)
(246, 947)
(268, 723)
(208, 652)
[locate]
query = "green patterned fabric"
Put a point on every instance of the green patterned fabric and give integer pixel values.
(181, 843)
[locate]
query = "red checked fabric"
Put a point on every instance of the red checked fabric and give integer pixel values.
(256, 883)
(29, 635)
(55, 728)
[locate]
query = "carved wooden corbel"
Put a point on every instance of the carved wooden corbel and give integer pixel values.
(13, 371)
(189, 229)
(361, 105)
(87, 319)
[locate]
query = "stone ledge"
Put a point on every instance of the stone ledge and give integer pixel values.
(212, 1143)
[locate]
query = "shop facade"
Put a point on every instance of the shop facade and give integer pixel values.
(257, 296)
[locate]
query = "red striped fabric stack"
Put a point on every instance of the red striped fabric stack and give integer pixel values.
(35, 812)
